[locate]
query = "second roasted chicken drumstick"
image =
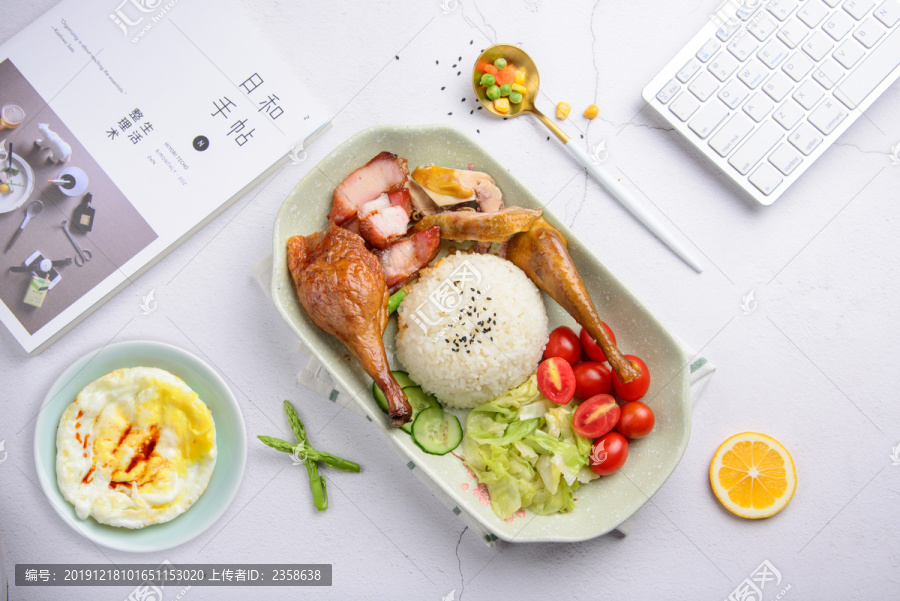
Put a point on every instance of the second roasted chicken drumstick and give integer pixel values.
(541, 253)
(341, 286)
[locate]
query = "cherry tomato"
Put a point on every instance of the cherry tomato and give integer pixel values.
(563, 343)
(596, 416)
(591, 348)
(591, 378)
(609, 454)
(636, 421)
(556, 380)
(638, 387)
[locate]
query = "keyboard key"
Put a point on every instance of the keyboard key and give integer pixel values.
(759, 106)
(753, 73)
(669, 91)
(888, 13)
(723, 66)
(808, 94)
(838, 25)
(813, 13)
(755, 148)
(743, 46)
(849, 53)
(793, 33)
(688, 70)
(805, 139)
(789, 114)
(785, 159)
(728, 29)
(782, 9)
(773, 53)
(762, 27)
(828, 74)
(684, 106)
(778, 86)
(818, 46)
(704, 86)
(797, 66)
(871, 72)
(734, 93)
(858, 8)
(708, 119)
(766, 179)
(828, 116)
(731, 134)
(708, 50)
(832, 3)
(746, 10)
(869, 33)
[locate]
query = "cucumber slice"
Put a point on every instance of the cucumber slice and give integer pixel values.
(436, 432)
(379, 397)
(403, 380)
(418, 400)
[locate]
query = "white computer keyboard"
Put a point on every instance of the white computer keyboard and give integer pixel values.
(768, 85)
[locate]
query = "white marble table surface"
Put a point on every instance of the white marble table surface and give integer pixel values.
(811, 365)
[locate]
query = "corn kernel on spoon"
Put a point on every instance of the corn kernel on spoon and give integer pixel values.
(520, 58)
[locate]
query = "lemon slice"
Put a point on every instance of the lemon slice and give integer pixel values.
(753, 475)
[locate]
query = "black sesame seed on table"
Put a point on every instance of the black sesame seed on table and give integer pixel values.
(437, 62)
(460, 58)
(472, 111)
(480, 107)
(458, 73)
(443, 87)
(396, 58)
(454, 65)
(451, 112)
(463, 100)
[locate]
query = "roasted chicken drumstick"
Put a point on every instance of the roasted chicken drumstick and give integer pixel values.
(541, 253)
(342, 288)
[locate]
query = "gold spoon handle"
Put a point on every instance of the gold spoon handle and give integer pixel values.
(563, 137)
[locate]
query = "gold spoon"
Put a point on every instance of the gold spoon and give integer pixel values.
(520, 58)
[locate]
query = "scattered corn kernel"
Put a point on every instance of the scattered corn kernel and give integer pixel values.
(591, 111)
(501, 105)
(562, 110)
(519, 88)
(519, 77)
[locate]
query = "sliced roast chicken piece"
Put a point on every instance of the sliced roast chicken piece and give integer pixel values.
(383, 173)
(449, 187)
(421, 202)
(408, 255)
(482, 227)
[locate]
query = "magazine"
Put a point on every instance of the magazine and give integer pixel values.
(124, 128)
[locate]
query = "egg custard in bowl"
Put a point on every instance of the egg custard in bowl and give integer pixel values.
(136, 447)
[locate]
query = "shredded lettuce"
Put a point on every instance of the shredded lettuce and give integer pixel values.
(523, 448)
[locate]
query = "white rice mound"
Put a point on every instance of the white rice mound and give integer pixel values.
(471, 328)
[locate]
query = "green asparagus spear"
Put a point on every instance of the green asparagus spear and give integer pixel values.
(311, 457)
(305, 450)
